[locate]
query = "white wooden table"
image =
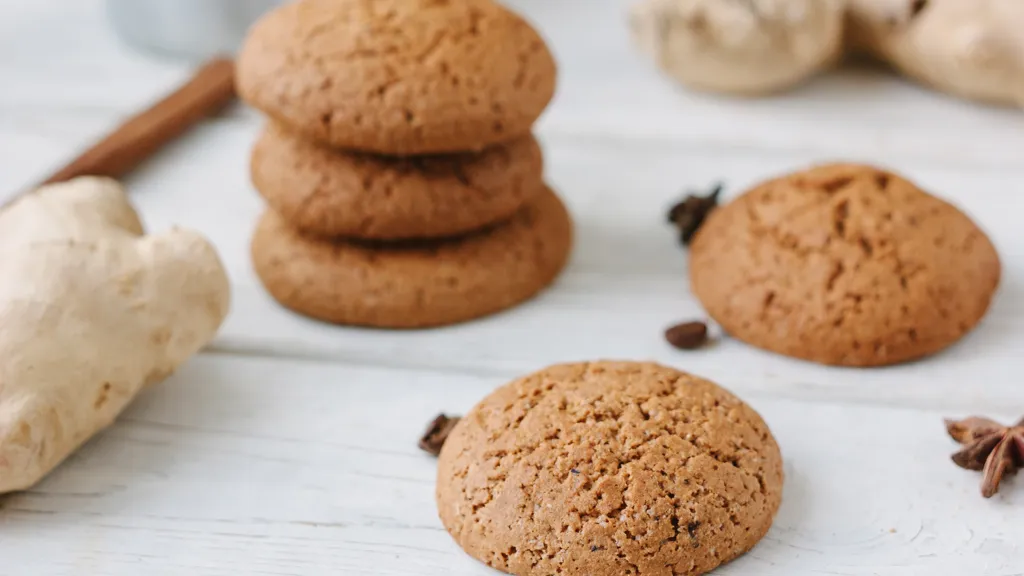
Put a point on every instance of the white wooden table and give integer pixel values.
(289, 447)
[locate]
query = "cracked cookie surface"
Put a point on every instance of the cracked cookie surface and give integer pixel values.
(398, 77)
(844, 264)
(609, 468)
(415, 283)
(329, 193)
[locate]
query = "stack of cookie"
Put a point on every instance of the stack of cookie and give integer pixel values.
(404, 186)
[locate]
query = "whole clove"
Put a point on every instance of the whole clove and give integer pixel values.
(437, 432)
(688, 214)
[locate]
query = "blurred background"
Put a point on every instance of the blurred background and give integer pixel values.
(72, 69)
(187, 29)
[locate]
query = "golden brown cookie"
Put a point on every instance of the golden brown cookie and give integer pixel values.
(609, 468)
(844, 264)
(415, 284)
(328, 192)
(398, 77)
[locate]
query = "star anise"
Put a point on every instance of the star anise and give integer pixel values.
(989, 446)
(690, 213)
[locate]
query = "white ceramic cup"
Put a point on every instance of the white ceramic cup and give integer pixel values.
(189, 29)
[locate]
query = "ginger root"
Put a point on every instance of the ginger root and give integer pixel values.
(91, 312)
(969, 48)
(739, 46)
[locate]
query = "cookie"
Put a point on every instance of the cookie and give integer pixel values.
(609, 468)
(328, 192)
(846, 265)
(415, 284)
(398, 77)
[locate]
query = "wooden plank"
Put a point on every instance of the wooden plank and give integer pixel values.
(606, 90)
(626, 283)
(284, 467)
(243, 464)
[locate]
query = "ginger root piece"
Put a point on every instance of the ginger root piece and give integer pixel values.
(747, 47)
(91, 312)
(969, 48)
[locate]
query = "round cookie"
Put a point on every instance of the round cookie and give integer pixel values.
(332, 193)
(609, 468)
(844, 264)
(415, 284)
(398, 77)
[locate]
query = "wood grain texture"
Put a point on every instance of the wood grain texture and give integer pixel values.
(131, 143)
(289, 448)
(287, 467)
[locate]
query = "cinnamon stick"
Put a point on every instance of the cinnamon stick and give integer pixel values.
(210, 89)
